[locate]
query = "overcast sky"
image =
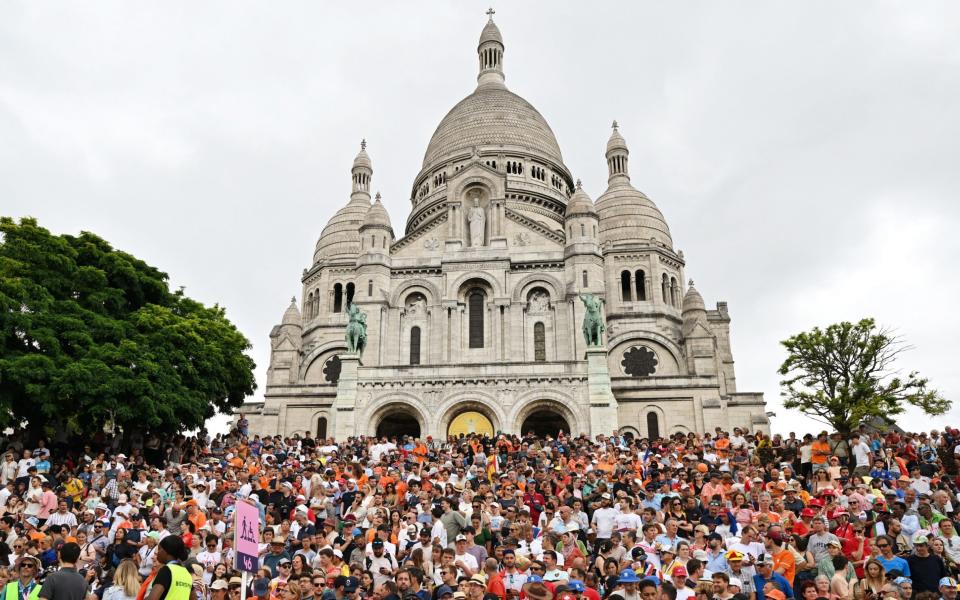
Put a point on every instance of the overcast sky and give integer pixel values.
(805, 154)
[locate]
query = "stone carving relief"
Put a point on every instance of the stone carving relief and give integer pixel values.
(431, 243)
(539, 302)
(522, 239)
(416, 306)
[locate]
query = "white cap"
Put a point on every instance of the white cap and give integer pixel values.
(736, 582)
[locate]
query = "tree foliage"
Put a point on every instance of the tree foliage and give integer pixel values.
(845, 375)
(90, 334)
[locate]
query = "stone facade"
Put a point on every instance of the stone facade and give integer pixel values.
(476, 307)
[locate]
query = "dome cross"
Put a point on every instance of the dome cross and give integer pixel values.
(490, 13)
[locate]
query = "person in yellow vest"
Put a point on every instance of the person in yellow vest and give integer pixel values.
(173, 580)
(25, 586)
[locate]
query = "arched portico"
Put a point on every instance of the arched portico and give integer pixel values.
(463, 403)
(398, 417)
(550, 412)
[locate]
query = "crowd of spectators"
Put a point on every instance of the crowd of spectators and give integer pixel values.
(726, 516)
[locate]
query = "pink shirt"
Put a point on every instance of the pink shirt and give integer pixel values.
(48, 505)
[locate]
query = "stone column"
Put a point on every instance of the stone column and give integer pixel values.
(515, 321)
(603, 406)
(496, 214)
(346, 403)
(574, 333)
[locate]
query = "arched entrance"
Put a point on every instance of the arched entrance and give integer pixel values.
(398, 425)
(470, 422)
(543, 422)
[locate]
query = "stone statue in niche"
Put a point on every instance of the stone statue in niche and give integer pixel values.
(539, 302)
(477, 218)
(417, 306)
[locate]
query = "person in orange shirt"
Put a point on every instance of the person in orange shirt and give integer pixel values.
(195, 516)
(820, 451)
(606, 464)
(722, 445)
(420, 452)
(712, 488)
(783, 561)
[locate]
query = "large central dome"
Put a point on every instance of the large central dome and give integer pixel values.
(492, 116)
(492, 120)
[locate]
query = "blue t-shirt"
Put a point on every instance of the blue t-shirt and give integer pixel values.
(895, 563)
(778, 580)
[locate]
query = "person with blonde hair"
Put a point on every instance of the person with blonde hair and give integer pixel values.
(126, 582)
(292, 591)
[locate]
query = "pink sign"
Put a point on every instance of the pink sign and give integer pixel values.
(246, 536)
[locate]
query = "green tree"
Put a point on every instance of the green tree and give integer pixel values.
(845, 375)
(91, 335)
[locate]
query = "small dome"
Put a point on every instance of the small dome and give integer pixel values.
(363, 159)
(490, 33)
(377, 216)
(341, 236)
(616, 141)
(580, 203)
(692, 300)
(627, 215)
(292, 315)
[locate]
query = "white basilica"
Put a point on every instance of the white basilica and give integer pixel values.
(473, 314)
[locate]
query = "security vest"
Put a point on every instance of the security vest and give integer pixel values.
(12, 591)
(181, 583)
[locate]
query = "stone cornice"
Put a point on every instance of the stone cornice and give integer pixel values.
(535, 226)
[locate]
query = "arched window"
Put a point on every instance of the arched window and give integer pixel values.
(349, 297)
(583, 230)
(316, 303)
(585, 279)
(674, 292)
(475, 303)
(415, 346)
(308, 307)
(539, 343)
(369, 288)
(641, 278)
(322, 428)
(653, 426)
(665, 289)
(338, 298)
(625, 286)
